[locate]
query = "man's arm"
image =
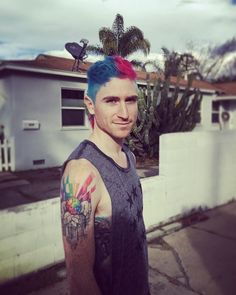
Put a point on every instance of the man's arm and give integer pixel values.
(79, 198)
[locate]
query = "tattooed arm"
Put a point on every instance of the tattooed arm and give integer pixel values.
(79, 199)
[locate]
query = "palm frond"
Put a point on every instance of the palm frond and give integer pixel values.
(118, 26)
(134, 32)
(106, 35)
(166, 51)
(132, 41)
(108, 40)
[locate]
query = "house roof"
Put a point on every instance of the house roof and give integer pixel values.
(46, 64)
(227, 88)
(173, 81)
(49, 62)
(53, 63)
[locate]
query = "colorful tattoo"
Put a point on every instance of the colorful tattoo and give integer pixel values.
(76, 208)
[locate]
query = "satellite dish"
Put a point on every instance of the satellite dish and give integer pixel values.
(77, 51)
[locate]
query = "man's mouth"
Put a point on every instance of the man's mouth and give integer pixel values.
(122, 123)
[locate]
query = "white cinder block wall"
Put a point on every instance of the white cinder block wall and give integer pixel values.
(196, 169)
(30, 238)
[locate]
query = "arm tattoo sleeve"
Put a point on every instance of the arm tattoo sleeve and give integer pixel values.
(76, 208)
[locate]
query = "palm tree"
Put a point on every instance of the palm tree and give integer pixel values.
(179, 63)
(118, 40)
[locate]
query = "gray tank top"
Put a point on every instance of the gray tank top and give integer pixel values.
(128, 271)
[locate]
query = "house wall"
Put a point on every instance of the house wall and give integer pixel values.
(196, 169)
(232, 120)
(39, 98)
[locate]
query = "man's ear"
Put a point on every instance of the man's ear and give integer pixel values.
(89, 104)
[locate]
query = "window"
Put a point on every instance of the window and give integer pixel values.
(215, 116)
(72, 108)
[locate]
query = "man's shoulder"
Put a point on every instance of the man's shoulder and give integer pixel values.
(81, 173)
(80, 168)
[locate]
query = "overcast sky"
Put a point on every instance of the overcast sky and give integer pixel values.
(30, 27)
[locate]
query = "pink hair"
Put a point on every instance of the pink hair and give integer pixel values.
(124, 68)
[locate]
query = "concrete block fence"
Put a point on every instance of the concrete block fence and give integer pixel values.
(196, 169)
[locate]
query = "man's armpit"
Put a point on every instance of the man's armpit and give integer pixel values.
(76, 208)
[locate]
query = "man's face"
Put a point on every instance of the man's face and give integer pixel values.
(116, 107)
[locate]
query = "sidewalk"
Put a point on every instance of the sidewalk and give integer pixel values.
(194, 256)
(198, 259)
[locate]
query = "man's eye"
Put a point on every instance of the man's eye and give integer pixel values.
(112, 100)
(131, 100)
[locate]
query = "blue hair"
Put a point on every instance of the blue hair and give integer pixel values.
(102, 71)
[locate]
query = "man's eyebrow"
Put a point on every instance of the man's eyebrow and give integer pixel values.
(117, 97)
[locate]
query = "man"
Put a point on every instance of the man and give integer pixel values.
(101, 199)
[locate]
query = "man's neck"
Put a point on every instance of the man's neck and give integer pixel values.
(107, 144)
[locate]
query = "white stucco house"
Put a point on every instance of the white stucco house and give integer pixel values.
(41, 109)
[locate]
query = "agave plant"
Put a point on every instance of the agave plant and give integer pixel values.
(162, 111)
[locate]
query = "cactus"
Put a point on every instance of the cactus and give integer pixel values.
(162, 111)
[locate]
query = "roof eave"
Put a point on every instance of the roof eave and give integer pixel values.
(42, 71)
(225, 97)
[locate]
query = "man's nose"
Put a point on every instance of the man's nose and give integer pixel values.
(123, 111)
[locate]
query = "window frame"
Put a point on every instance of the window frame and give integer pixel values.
(85, 120)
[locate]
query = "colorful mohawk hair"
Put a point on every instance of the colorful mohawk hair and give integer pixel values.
(102, 71)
